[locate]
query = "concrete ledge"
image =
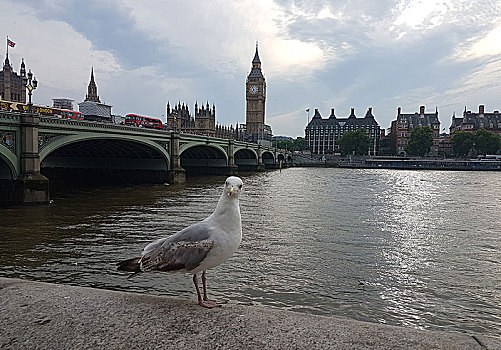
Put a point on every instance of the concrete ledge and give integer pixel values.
(51, 316)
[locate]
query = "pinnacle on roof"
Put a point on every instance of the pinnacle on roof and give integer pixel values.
(256, 56)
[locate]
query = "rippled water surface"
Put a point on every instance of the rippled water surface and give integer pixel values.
(414, 248)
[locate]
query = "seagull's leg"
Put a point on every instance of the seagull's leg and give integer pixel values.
(204, 285)
(205, 303)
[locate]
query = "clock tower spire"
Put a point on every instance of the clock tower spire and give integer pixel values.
(255, 94)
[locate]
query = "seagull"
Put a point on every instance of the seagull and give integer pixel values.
(198, 247)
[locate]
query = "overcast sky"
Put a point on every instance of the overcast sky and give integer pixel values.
(315, 54)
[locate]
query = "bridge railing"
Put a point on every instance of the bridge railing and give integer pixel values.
(13, 118)
(9, 116)
(51, 121)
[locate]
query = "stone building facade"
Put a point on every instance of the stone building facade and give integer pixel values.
(255, 94)
(405, 122)
(473, 121)
(203, 122)
(322, 135)
(91, 107)
(11, 83)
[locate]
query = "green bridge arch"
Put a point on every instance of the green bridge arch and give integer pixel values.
(11, 160)
(72, 139)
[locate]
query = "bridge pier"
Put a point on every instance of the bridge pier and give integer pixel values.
(177, 175)
(232, 168)
(260, 164)
(30, 187)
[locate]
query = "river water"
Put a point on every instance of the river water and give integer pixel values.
(414, 248)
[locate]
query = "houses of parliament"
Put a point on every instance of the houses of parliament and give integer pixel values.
(203, 120)
(178, 117)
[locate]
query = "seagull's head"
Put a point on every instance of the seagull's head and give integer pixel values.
(233, 186)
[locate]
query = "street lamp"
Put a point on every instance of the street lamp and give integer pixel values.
(30, 85)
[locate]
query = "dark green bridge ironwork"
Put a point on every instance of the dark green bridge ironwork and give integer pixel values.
(35, 150)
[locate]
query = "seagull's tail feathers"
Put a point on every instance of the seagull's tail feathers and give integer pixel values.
(130, 265)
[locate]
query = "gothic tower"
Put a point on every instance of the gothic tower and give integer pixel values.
(11, 84)
(255, 94)
(92, 89)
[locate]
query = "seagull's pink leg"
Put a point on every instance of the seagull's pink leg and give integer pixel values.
(205, 303)
(205, 292)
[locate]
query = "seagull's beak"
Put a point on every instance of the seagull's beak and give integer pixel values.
(231, 191)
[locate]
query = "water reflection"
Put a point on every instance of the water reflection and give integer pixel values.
(424, 245)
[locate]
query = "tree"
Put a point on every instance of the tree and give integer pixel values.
(299, 144)
(355, 141)
(462, 143)
(487, 142)
(283, 144)
(420, 141)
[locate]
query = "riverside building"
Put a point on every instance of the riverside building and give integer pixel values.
(473, 121)
(322, 135)
(401, 128)
(203, 122)
(11, 83)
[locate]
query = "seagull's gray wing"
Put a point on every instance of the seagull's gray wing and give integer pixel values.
(182, 251)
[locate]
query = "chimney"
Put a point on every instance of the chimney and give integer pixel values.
(421, 110)
(352, 112)
(332, 111)
(399, 110)
(481, 109)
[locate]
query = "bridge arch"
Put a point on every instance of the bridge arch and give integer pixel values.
(268, 159)
(81, 159)
(202, 159)
(8, 164)
(246, 159)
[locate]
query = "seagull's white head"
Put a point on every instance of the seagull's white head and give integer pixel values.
(233, 187)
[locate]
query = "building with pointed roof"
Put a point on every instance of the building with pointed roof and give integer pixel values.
(11, 84)
(91, 107)
(203, 122)
(405, 122)
(473, 121)
(256, 129)
(92, 89)
(322, 135)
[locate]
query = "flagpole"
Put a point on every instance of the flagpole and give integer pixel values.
(7, 46)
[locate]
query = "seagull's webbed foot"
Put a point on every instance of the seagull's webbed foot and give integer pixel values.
(209, 304)
(217, 302)
(205, 302)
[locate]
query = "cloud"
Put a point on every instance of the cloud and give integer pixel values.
(234, 27)
(318, 54)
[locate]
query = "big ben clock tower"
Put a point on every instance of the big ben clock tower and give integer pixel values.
(255, 94)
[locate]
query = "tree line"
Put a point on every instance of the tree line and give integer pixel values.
(358, 142)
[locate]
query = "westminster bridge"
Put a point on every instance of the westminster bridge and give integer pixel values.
(35, 150)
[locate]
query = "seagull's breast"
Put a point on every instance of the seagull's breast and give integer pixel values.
(227, 236)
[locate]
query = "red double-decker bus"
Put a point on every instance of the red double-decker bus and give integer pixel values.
(143, 121)
(70, 114)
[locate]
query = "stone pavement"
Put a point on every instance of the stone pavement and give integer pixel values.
(36, 315)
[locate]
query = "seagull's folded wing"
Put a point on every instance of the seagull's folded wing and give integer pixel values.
(182, 251)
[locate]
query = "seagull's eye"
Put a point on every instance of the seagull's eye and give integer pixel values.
(240, 186)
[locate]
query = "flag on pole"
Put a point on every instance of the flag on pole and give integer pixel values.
(307, 109)
(10, 43)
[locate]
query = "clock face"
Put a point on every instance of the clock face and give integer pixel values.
(253, 89)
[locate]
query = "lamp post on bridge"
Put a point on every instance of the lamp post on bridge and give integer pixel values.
(30, 186)
(30, 85)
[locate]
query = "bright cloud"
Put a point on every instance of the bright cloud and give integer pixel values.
(489, 45)
(217, 32)
(317, 54)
